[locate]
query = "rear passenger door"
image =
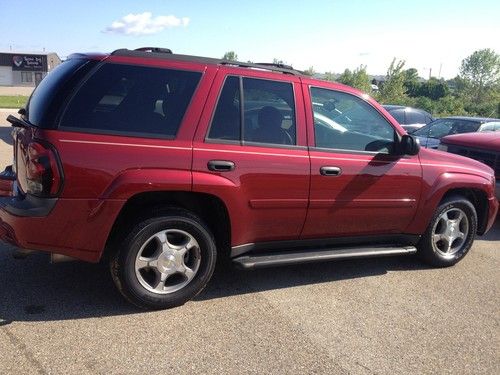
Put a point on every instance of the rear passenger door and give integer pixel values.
(250, 150)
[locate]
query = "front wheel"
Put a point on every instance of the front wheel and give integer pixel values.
(450, 233)
(165, 261)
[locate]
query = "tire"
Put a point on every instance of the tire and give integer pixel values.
(450, 233)
(164, 261)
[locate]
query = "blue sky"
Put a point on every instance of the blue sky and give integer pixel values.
(328, 35)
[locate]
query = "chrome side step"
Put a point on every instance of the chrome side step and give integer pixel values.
(294, 257)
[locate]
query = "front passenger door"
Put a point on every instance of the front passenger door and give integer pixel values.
(359, 186)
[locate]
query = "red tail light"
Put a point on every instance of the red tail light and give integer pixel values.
(41, 175)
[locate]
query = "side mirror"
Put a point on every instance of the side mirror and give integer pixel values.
(409, 145)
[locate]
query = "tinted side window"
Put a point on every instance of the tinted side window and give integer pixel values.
(413, 117)
(226, 123)
(268, 112)
(399, 115)
(346, 122)
(132, 99)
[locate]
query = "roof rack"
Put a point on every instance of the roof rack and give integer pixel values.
(278, 65)
(282, 68)
(165, 53)
(154, 49)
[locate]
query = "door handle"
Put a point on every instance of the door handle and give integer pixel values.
(330, 171)
(220, 165)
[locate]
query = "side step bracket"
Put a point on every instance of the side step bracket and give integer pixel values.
(309, 256)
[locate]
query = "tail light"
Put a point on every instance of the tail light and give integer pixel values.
(38, 171)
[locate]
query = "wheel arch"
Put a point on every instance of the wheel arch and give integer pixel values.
(210, 208)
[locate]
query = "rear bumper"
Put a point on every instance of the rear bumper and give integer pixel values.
(78, 228)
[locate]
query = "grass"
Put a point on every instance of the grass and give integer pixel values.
(13, 101)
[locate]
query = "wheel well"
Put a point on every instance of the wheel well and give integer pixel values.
(480, 201)
(141, 206)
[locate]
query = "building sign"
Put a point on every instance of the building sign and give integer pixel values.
(28, 62)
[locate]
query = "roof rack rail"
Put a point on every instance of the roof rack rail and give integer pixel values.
(278, 65)
(154, 49)
(164, 53)
(286, 69)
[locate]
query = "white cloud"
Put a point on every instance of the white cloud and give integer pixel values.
(145, 24)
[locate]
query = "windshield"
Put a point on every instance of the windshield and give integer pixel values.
(443, 127)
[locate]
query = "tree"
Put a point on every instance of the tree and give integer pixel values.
(358, 78)
(393, 90)
(411, 82)
(329, 76)
(230, 56)
(310, 71)
(482, 70)
(433, 89)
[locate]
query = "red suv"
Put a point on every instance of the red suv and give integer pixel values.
(160, 163)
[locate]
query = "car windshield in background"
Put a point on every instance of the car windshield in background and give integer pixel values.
(443, 127)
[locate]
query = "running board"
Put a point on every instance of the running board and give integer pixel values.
(293, 257)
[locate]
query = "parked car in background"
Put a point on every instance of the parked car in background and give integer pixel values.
(409, 118)
(430, 135)
(484, 147)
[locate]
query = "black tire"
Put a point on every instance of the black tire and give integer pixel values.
(433, 251)
(133, 284)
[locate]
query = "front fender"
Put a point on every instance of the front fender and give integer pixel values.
(433, 194)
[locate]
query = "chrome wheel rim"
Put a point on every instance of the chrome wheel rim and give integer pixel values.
(450, 232)
(167, 261)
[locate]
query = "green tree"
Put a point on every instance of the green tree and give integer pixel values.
(411, 83)
(358, 79)
(230, 56)
(482, 71)
(310, 71)
(329, 76)
(393, 90)
(433, 88)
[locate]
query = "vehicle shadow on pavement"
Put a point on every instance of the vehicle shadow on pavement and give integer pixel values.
(229, 281)
(32, 289)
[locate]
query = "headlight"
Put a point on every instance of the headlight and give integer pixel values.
(442, 147)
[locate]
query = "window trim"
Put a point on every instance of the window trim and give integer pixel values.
(242, 142)
(397, 135)
(120, 133)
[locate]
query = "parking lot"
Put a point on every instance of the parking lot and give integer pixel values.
(378, 316)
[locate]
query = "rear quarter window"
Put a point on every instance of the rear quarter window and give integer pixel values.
(136, 100)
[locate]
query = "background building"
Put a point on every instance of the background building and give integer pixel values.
(25, 69)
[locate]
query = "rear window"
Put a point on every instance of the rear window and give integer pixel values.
(122, 99)
(48, 97)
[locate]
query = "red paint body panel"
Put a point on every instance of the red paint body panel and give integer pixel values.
(75, 227)
(485, 140)
(273, 193)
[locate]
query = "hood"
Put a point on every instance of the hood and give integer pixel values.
(485, 140)
(428, 142)
(455, 163)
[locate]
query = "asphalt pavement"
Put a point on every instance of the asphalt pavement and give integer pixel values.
(373, 316)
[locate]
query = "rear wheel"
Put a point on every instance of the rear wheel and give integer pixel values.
(165, 261)
(450, 233)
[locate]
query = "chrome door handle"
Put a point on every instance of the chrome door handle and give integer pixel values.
(330, 171)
